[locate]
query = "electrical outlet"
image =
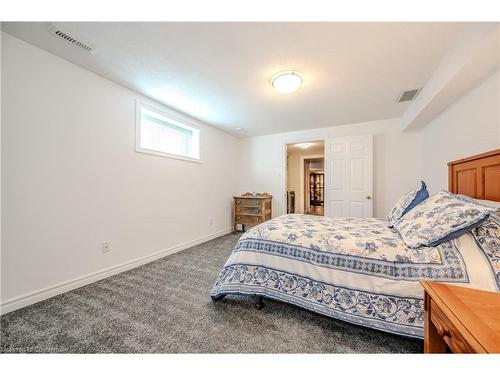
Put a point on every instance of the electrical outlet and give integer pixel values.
(106, 247)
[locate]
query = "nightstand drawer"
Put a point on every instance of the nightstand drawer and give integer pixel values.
(447, 331)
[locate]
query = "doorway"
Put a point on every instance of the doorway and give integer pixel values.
(305, 178)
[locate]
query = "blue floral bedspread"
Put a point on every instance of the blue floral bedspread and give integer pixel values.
(357, 270)
(357, 245)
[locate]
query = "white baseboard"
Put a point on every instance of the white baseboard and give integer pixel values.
(42, 294)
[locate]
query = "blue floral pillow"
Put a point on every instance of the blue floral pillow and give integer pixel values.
(406, 203)
(440, 218)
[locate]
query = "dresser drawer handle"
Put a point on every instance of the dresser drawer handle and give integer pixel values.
(442, 331)
(238, 201)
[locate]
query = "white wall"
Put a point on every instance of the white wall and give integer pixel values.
(71, 178)
(472, 56)
(469, 126)
(397, 161)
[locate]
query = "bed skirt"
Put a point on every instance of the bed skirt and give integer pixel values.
(394, 314)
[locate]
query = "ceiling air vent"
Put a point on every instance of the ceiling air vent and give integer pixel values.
(408, 95)
(58, 32)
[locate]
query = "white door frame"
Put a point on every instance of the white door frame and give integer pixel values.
(301, 177)
(284, 168)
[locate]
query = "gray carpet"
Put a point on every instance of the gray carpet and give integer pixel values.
(164, 307)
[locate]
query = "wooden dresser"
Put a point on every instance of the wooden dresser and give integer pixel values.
(250, 209)
(460, 320)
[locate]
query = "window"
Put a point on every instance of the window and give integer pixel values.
(159, 133)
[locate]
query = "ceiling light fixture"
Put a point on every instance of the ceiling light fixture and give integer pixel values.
(304, 145)
(286, 82)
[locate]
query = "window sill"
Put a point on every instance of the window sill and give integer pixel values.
(165, 155)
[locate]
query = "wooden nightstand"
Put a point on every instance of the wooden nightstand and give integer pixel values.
(249, 209)
(460, 320)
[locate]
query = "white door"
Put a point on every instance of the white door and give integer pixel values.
(348, 189)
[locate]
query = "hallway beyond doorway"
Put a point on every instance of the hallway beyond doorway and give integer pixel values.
(305, 178)
(317, 210)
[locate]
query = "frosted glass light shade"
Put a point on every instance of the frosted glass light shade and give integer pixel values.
(304, 145)
(286, 82)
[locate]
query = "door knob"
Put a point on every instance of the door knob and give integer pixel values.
(368, 197)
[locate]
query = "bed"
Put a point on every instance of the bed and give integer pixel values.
(360, 270)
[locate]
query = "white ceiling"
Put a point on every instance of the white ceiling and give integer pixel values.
(315, 148)
(219, 72)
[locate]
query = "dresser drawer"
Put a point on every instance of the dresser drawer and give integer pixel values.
(246, 219)
(248, 202)
(448, 332)
(241, 210)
